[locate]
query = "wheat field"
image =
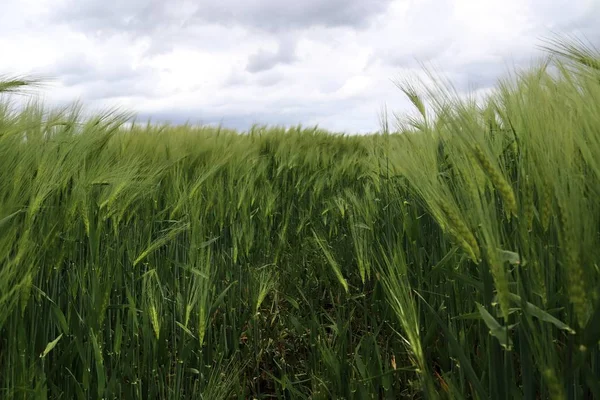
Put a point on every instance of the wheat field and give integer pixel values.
(456, 257)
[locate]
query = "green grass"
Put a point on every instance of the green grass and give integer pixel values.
(456, 260)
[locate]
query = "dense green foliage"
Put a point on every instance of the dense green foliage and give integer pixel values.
(459, 259)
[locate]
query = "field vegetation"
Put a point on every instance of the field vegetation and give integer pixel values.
(456, 257)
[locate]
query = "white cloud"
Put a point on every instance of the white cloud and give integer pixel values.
(325, 64)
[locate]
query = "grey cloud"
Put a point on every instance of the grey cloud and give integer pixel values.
(562, 14)
(331, 86)
(146, 17)
(426, 31)
(125, 88)
(236, 79)
(442, 49)
(103, 80)
(564, 18)
(429, 29)
(585, 26)
(277, 15)
(270, 79)
(239, 121)
(140, 16)
(72, 69)
(287, 113)
(264, 60)
(410, 58)
(478, 75)
(486, 74)
(265, 79)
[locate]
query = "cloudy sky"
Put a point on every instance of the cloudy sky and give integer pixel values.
(239, 62)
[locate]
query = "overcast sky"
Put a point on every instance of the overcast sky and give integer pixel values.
(238, 62)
